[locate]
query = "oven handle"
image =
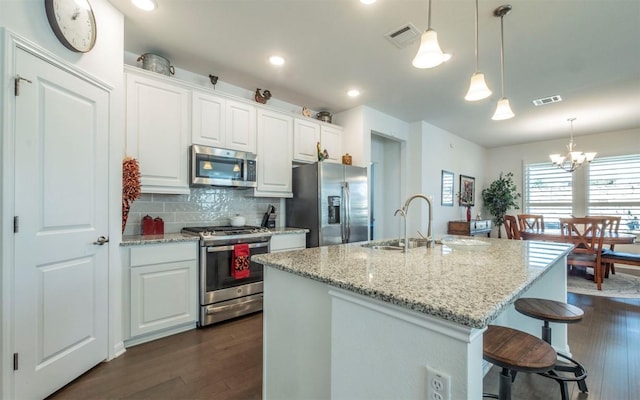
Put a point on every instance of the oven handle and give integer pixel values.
(217, 249)
(215, 309)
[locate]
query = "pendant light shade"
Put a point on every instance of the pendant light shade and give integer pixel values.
(478, 88)
(503, 109)
(429, 54)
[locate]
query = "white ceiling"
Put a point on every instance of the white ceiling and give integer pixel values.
(586, 51)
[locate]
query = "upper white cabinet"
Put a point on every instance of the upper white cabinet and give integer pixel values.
(208, 120)
(219, 122)
(241, 126)
(157, 123)
(307, 134)
(331, 140)
(275, 146)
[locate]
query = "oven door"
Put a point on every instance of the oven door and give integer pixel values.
(217, 283)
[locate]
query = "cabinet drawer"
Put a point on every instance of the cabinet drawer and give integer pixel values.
(285, 242)
(163, 253)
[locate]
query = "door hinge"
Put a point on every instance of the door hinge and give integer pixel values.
(19, 78)
(16, 222)
(15, 361)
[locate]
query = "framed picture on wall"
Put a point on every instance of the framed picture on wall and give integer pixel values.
(467, 190)
(446, 183)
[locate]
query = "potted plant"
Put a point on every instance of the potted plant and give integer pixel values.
(500, 197)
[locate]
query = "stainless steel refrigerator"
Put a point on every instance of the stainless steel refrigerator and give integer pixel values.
(331, 200)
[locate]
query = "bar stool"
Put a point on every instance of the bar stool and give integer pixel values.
(515, 351)
(556, 311)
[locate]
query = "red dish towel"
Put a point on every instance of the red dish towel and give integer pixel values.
(240, 261)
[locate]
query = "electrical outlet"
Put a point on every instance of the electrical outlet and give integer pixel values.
(438, 385)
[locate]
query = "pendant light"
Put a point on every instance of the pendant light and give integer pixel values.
(478, 88)
(503, 110)
(574, 159)
(429, 54)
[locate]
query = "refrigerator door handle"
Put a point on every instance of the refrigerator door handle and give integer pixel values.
(347, 211)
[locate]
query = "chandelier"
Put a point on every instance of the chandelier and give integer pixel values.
(573, 159)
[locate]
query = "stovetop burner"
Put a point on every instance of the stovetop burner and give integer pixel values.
(224, 230)
(227, 234)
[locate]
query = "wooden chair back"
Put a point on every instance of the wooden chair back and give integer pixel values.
(511, 226)
(531, 221)
(587, 235)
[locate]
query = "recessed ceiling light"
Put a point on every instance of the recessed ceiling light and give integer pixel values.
(353, 93)
(147, 5)
(276, 60)
(367, 2)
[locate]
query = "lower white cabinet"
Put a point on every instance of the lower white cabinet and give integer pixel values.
(163, 290)
(287, 241)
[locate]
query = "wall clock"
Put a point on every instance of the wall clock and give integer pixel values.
(73, 23)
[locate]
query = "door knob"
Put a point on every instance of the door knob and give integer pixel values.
(101, 240)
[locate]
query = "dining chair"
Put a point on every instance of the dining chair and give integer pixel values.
(587, 236)
(612, 224)
(511, 226)
(531, 221)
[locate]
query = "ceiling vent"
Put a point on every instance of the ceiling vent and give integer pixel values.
(404, 35)
(547, 100)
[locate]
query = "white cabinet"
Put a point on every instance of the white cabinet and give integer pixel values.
(241, 126)
(275, 146)
(208, 120)
(287, 241)
(331, 140)
(306, 135)
(219, 122)
(163, 290)
(158, 123)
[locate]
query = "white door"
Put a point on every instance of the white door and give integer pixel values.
(60, 289)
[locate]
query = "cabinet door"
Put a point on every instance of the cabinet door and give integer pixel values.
(275, 137)
(331, 139)
(241, 126)
(208, 120)
(158, 133)
(163, 296)
(306, 135)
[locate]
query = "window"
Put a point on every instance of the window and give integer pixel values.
(548, 191)
(614, 189)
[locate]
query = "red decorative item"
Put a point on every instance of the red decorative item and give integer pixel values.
(158, 226)
(468, 214)
(147, 225)
(240, 262)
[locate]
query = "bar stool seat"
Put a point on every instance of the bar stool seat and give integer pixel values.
(558, 312)
(515, 351)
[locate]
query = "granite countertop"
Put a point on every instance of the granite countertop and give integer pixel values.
(468, 287)
(133, 240)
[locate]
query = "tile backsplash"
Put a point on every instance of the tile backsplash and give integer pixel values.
(203, 206)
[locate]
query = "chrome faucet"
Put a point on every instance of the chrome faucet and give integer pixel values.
(404, 225)
(405, 211)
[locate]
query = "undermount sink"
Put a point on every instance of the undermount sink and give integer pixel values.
(396, 244)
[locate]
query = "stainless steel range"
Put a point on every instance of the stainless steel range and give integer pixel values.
(223, 296)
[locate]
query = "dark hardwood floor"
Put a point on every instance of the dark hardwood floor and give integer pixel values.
(225, 361)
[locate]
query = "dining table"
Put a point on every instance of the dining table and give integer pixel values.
(555, 235)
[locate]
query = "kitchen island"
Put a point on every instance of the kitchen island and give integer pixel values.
(351, 322)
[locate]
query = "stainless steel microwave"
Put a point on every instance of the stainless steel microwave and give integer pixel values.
(212, 166)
